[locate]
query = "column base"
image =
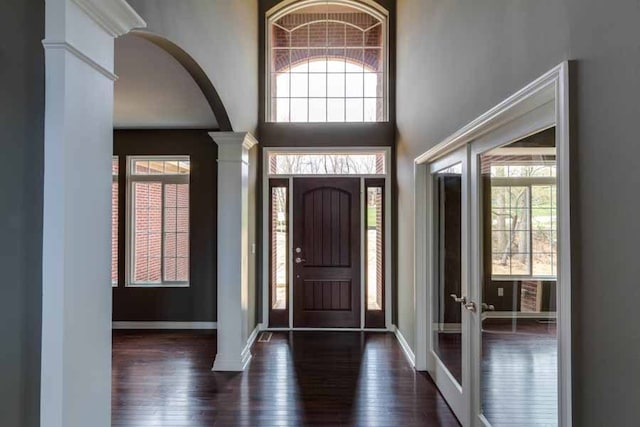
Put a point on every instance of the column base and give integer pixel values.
(229, 363)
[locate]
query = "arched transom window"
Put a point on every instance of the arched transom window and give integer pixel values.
(327, 63)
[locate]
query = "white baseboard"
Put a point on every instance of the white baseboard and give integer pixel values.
(164, 325)
(405, 346)
(234, 364)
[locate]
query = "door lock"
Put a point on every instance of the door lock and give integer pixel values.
(300, 260)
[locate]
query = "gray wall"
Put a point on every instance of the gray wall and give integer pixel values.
(222, 37)
(21, 189)
(456, 59)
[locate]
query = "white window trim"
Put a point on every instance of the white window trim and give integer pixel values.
(130, 220)
(388, 230)
(288, 6)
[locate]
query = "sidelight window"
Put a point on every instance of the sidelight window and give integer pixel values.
(374, 255)
(159, 221)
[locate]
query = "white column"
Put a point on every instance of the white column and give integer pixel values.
(233, 249)
(76, 299)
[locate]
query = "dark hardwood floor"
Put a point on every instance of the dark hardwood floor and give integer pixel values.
(296, 379)
(519, 371)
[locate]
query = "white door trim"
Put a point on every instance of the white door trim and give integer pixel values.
(388, 212)
(541, 104)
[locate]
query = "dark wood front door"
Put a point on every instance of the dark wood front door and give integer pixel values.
(326, 252)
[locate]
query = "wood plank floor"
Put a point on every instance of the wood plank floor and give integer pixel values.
(296, 379)
(519, 371)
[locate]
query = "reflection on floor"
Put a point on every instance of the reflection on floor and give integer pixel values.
(301, 378)
(519, 371)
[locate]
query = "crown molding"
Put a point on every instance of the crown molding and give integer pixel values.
(116, 17)
(68, 47)
(246, 138)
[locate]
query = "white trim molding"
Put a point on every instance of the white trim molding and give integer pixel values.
(233, 352)
(116, 17)
(163, 325)
(76, 304)
(404, 345)
(68, 47)
(388, 229)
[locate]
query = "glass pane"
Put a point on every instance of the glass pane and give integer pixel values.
(318, 110)
(447, 314)
(354, 110)
(280, 85)
(519, 351)
(299, 110)
(374, 245)
(317, 61)
(317, 85)
(147, 245)
(279, 248)
(335, 110)
(280, 110)
(373, 37)
(327, 164)
(176, 232)
(299, 85)
(354, 85)
(114, 232)
(280, 37)
(336, 62)
(335, 85)
(373, 60)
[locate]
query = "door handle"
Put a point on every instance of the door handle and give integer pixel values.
(488, 307)
(300, 260)
(456, 298)
(471, 306)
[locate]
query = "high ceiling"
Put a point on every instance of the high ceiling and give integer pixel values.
(154, 91)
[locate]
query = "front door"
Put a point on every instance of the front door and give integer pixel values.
(326, 252)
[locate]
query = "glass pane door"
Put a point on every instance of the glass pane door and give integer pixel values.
(449, 285)
(516, 283)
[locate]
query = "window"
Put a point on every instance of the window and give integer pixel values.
(278, 251)
(114, 220)
(159, 213)
(374, 246)
(327, 164)
(523, 220)
(327, 63)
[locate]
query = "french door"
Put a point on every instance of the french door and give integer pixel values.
(493, 262)
(449, 336)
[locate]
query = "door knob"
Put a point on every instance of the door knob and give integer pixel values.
(456, 298)
(299, 260)
(488, 307)
(471, 306)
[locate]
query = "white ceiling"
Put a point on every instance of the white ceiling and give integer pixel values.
(154, 91)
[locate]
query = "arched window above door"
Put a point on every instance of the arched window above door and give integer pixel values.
(327, 62)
